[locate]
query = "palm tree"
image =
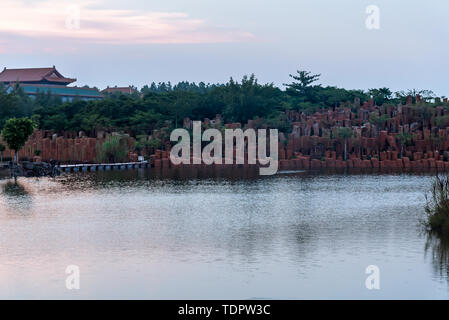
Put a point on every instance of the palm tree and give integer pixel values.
(345, 133)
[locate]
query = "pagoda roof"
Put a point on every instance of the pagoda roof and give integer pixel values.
(34, 75)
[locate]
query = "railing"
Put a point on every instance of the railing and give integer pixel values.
(103, 166)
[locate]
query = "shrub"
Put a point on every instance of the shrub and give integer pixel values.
(113, 149)
(437, 206)
(155, 143)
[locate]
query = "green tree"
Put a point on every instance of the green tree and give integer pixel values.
(379, 121)
(345, 133)
(381, 95)
(155, 143)
(302, 86)
(404, 139)
(141, 144)
(248, 99)
(278, 120)
(425, 95)
(16, 132)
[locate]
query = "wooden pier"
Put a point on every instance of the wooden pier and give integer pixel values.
(103, 166)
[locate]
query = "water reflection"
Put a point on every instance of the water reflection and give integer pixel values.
(16, 196)
(14, 189)
(216, 234)
(438, 247)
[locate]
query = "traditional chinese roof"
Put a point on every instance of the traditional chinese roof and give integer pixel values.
(124, 90)
(34, 75)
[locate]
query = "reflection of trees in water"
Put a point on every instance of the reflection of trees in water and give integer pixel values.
(438, 247)
(131, 178)
(14, 189)
(206, 172)
(262, 240)
(16, 196)
(304, 236)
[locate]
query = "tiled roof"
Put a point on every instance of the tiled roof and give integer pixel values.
(33, 75)
(126, 90)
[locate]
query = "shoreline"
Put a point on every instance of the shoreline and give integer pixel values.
(238, 172)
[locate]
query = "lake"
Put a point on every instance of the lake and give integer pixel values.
(139, 235)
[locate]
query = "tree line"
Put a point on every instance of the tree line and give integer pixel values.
(164, 104)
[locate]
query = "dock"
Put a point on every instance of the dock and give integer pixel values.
(103, 166)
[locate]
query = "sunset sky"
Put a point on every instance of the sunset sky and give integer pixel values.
(137, 42)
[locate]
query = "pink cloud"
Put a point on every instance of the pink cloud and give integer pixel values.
(57, 19)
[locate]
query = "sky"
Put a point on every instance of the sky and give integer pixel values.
(135, 42)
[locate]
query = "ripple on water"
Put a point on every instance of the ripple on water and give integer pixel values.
(295, 235)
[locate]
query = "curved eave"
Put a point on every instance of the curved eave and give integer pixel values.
(61, 80)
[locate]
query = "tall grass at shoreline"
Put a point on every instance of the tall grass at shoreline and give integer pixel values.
(437, 206)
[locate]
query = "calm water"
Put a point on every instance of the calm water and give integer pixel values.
(292, 236)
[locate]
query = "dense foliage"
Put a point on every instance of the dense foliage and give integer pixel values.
(16, 132)
(165, 104)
